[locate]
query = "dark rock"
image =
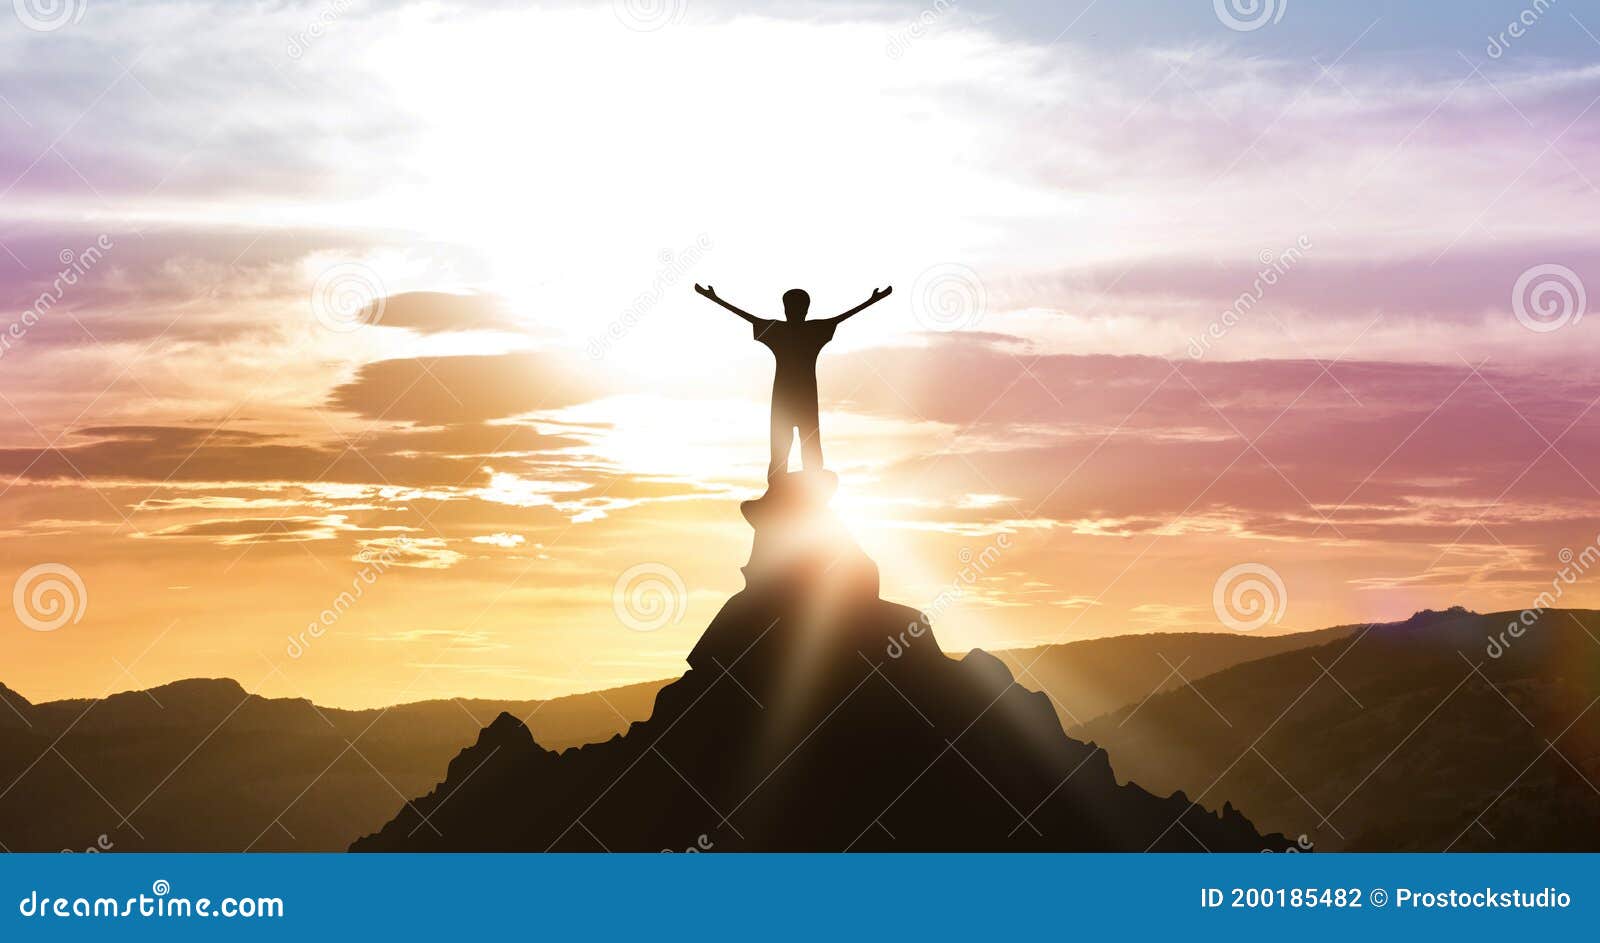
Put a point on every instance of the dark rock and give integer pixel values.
(814, 717)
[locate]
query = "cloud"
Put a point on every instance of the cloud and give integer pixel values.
(1382, 452)
(421, 458)
(452, 640)
(476, 439)
(422, 553)
(437, 312)
(254, 530)
(444, 390)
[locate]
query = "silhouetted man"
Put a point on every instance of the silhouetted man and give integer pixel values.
(795, 343)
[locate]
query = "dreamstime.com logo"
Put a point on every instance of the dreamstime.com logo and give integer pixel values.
(157, 903)
(48, 596)
(75, 266)
(372, 567)
(1302, 845)
(701, 844)
(949, 297)
(647, 16)
(1249, 596)
(974, 567)
(649, 596)
(1274, 266)
(1573, 565)
(101, 845)
(1517, 28)
(47, 16)
(347, 297)
(299, 43)
(901, 39)
(1247, 16)
(1548, 298)
(675, 266)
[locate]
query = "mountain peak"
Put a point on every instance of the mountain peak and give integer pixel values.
(815, 716)
(800, 545)
(15, 710)
(505, 729)
(200, 689)
(1431, 616)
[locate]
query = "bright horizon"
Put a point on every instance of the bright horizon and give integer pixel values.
(1305, 298)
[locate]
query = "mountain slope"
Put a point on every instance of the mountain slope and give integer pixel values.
(1093, 677)
(1422, 735)
(15, 710)
(793, 732)
(201, 766)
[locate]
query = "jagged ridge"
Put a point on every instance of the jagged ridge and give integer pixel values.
(795, 730)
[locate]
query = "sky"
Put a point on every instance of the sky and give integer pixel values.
(350, 348)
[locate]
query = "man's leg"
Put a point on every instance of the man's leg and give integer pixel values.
(810, 440)
(782, 441)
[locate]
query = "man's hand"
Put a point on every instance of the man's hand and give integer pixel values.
(878, 294)
(709, 292)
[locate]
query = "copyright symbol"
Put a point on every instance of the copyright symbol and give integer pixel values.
(1380, 897)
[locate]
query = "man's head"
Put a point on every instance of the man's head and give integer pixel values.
(795, 304)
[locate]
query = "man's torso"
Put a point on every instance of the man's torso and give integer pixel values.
(795, 346)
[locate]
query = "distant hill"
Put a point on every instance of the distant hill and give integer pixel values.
(1401, 743)
(1093, 677)
(253, 757)
(200, 765)
(239, 763)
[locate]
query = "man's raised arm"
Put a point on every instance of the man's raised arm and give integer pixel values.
(711, 293)
(878, 294)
